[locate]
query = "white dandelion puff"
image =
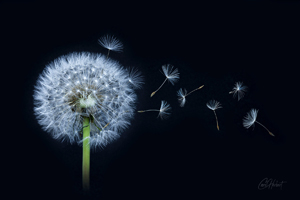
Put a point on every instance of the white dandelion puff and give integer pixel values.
(182, 94)
(250, 119)
(84, 98)
(239, 90)
(62, 98)
(163, 111)
(214, 105)
(111, 43)
(171, 75)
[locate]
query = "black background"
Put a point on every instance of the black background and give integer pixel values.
(212, 44)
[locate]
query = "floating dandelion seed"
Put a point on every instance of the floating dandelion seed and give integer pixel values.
(170, 74)
(135, 78)
(110, 43)
(182, 94)
(87, 99)
(214, 105)
(163, 111)
(250, 119)
(238, 90)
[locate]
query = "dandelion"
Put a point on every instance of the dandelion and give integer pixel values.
(238, 90)
(171, 75)
(250, 119)
(182, 94)
(111, 43)
(163, 111)
(214, 105)
(86, 99)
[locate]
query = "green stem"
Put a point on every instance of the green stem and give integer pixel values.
(86, 154)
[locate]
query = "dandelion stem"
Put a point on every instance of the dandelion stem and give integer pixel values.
(216, 120)
(141, 111)
(86, 154)
(265, 128)
(195, 90)
(153, 93)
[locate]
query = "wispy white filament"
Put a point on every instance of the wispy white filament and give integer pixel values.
(238, 90)
(85, 85)
(250, 118)
(171, 75)
(213, 105)
(111, 43)
(135, 78)
(163, 111)
(182, 94)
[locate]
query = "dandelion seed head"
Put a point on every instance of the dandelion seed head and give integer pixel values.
(61, 102)
(250, 118)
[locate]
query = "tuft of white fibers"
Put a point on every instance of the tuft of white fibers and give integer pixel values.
(182, 93)
(213, 105)
(81, 85)
(135, 78)
(111, 43)
(171, 75)
(250, 118)
(163, 112)
(239, 90)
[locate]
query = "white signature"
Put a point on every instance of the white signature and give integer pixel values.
(270, 183)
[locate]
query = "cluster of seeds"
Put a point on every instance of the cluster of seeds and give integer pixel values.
(86, 85)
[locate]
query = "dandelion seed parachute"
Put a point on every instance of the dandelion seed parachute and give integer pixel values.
(171, 75)
(135, 78)
(238, 90)
(214, 105)
(182, 94)
(250, 119)
(81, 85)
(163, 111)
(111, 43)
